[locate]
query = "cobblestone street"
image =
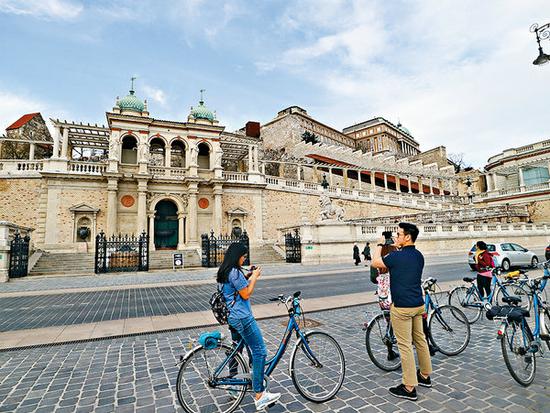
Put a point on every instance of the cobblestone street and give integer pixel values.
(139, 374)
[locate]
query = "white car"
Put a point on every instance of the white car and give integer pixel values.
(506, 255)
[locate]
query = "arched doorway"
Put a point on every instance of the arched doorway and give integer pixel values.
(204, 156)
(129, 150)
(166, 225)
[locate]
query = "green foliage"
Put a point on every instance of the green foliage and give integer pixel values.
(309, 137)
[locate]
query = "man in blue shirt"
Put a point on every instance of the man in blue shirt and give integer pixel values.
(405, 266)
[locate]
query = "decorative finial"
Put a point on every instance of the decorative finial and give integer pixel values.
(202, 100)
(132, 87)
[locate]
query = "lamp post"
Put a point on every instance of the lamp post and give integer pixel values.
(542, 32)
(469, 190)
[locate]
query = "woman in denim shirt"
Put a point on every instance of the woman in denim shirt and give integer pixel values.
(237, 290)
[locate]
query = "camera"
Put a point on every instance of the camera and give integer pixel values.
(387, 237)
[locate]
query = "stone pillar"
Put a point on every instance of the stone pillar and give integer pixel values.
(385, 182)
(152, 231)
(56, 136)
(431, 186)
(373, 180)
(494, 176)
(330, 176)
(31, 151)
(167, 157)
(345, 176)
(65, 145)
(181, 228)
(359, 178)
(250, 159)
(217, 224)
(142, 207)
(397, 183)
(409, 183)
(420, 187)
(112, 206)
(256, 158)
(263, 168)
(316, 174)
(193, 217)
(298, 172)
(521, 180)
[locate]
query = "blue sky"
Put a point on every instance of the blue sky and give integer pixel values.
(457, 74)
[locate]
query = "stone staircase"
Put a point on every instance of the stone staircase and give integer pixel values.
(64, 264)
(265, 254)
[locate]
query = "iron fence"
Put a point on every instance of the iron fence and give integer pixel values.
(121, 253)
(293, 247)
(19, 256)
(213, 248)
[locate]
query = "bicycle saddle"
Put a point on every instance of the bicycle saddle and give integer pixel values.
(468, 279)
(511, 300)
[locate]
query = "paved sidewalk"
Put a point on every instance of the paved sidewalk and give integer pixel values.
(138, 374)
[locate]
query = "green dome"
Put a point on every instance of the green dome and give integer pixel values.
(404, 129)
(131, 102)
(202, 112)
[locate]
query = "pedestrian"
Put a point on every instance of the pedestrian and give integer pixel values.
(484, 266)
(405, 266)
(366, 253)
(356, 255)
(237, 291)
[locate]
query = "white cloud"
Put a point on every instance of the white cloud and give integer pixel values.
(50, 9)
(155, 94)
(13, 106)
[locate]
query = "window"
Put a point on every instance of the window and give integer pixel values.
(535, 175)
(506, 247)
(517, 247)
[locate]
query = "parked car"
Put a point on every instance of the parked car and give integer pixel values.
(506, 255)
(547, 253)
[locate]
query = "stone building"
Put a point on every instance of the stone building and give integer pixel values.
(26, 138)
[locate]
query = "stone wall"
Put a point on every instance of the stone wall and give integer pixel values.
(19, 201)
(436, 155)
(248, 200)
(539, 211)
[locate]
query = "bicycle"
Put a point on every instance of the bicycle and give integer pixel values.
(217, 378)
(448, 331)
(520, 345)
(467, 298)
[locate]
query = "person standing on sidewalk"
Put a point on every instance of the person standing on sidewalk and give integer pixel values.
(356, 255)
(405, 266)
(366, 254)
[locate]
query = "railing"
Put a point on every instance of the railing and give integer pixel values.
(20, 166)
(164, 172)
(235, 176)
(527, 148)
(512, 191)
(87, 168)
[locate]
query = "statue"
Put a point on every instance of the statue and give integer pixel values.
(328, 210)
(114, 149)
(193, 159)
(218, 158)
(143, 154)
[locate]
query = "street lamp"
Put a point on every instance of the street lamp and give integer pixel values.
(542, 32)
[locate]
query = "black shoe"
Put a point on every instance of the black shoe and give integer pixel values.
(424, 382)
(392, 355)
(401, 392)
(433, 350)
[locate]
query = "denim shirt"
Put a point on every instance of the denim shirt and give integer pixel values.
(238, 306)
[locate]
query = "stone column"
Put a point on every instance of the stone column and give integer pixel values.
(193, 217)
(31, 151)
(409, 183)
(298, 172)
(217, 224)
(167, 157)
(142, 207)
(420, 187)
(521, 179)
(65, 145)
(56, 136)
(385, 182)
(431, 186)
(316, 174)
(256, 158)
(359, 178)
(494, 179)
(263, 168)
(112, 206)
(152, 231)
(397, 183)
(373, 180)
(250, 159)
(181, 227)
(345, 176)
(330, 176)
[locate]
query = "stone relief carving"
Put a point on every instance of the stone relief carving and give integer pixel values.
(114, 148)
(329, 211)
(143, 153)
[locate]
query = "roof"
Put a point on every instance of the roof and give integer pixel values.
(22, 121)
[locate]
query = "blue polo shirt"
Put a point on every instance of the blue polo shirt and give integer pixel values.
(238, 306)
(405, 266)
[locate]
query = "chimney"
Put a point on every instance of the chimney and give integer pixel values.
(252, 129)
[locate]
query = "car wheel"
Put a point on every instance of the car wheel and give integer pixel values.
(473, 267)
(534, 261)
(506, 264)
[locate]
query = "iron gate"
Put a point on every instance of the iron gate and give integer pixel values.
(293, 247)
(19, 256)
(121, 253)
(213, 249)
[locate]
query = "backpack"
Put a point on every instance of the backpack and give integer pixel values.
(219, 306)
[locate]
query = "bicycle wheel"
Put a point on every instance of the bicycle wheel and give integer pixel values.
(193, 389)
(546, 314)
(318, 383)
(507, 290)
(381, 344)
(449, 330)
(467, 300)
(515, 344)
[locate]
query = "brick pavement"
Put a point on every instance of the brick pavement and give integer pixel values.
(138, 374)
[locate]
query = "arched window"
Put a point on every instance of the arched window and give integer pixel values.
(177, 154)
(129, 150)
(204, 156)
(156, 149)
(535, 175)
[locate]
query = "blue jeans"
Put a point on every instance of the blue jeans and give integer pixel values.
(250, 332)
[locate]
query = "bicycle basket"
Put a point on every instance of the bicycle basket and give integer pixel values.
(512, 313)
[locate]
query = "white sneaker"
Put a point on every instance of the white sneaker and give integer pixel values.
(266, 400)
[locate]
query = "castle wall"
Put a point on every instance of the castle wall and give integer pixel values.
(19, 201)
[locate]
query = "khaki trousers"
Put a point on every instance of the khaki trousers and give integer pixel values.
(407, 327)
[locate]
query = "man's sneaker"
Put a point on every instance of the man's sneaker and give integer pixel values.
(266, 400)
(424, 382)
(401, 392)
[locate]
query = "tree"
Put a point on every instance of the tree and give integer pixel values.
(309, 137)
(457, 159)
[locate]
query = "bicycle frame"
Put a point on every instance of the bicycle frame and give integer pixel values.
(494, 282)
(270, 364)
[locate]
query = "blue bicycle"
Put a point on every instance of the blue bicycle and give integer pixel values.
(520, 345)
(467, 298)
(215, 377)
